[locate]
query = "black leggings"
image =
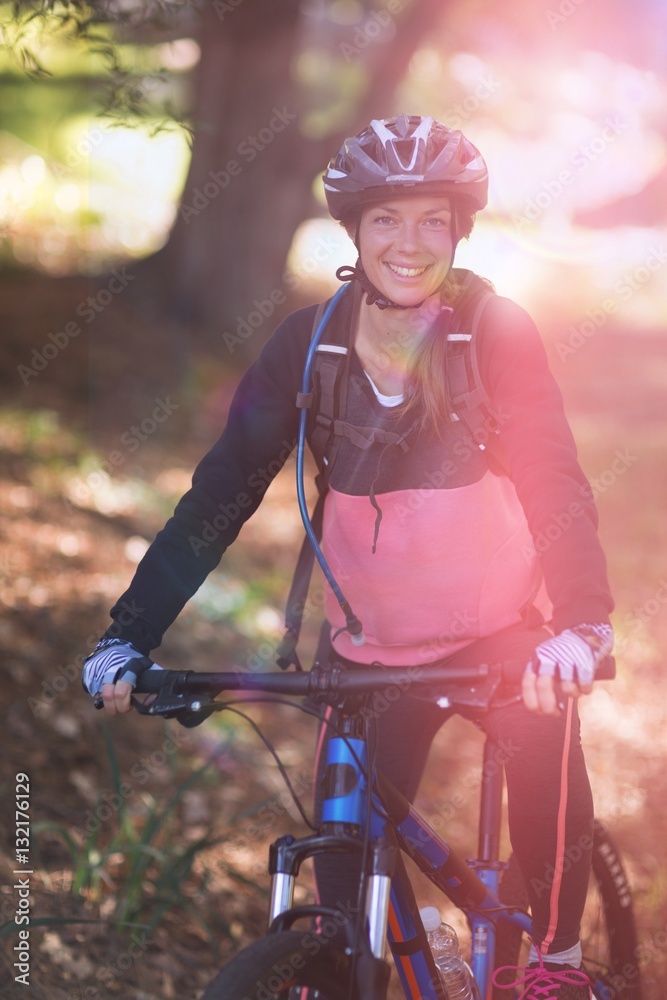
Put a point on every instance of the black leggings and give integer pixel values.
(538, 791)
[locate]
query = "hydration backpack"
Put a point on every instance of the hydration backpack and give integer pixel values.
(327, 403)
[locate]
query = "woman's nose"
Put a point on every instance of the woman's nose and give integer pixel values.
(407, 238)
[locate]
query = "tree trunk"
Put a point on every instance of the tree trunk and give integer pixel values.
(246, 184)
(250, 177)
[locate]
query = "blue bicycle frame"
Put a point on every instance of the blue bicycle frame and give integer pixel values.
(378, 825)
(391, 909)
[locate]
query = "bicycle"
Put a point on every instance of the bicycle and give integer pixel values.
(378, 827)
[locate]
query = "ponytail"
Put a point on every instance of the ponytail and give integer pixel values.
(427, 386)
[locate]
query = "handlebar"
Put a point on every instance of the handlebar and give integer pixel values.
(186, 693)
(319, 680)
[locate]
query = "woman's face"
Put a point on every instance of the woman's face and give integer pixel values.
(406, 247)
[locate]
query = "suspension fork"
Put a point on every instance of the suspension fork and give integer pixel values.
(343, 818)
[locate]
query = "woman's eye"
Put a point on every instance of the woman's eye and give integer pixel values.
(383, 220)
(435, 223)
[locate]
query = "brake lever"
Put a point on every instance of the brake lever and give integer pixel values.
(169, 703)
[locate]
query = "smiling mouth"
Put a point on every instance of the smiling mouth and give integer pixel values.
(406, 272)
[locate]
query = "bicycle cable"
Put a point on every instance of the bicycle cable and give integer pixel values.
(352, 624)
(229, 706)
(267, 743)
(367, 772)
(272, 699)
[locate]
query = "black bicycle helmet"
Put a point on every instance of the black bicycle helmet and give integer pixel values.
(408, 154)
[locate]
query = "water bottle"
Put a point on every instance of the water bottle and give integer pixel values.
(447, 954)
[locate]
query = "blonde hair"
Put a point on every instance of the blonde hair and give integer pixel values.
(427, 384)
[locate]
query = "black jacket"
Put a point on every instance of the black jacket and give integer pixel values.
(230, 481)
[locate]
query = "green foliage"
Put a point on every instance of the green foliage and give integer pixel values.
(39, 437)
(55, 38)
(141, 862)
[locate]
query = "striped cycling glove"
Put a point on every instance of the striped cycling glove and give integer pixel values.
(574, 654)
(113, 660)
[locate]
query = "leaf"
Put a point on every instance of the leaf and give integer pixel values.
(53, 922)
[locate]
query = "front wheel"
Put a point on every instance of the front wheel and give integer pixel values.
(275, 966)
(608, 932)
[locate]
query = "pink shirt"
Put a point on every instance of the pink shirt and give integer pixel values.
(463, 560)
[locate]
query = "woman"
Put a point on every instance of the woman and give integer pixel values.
(445, 550)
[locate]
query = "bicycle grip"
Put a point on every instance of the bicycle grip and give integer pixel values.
(152, 681)
(151, 686)
(513, 670)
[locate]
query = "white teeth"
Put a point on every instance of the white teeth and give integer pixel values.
(406, 272)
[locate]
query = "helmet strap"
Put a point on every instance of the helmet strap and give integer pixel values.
(374, 296)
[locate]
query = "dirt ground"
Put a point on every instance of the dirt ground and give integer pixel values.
(74, 524)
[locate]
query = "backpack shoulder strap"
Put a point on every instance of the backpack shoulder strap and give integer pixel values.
(471, 405)
(470, 401)
(328, 395)
(329, 375)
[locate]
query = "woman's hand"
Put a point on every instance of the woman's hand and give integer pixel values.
(117, 697)
(112, 670)
(565, 664)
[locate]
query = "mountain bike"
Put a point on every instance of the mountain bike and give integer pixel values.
(364, 815)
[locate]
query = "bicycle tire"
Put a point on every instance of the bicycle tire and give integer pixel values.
(608, 935)
(277, 964)
(622, 977)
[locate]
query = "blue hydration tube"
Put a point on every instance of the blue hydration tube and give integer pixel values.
(353, 625)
